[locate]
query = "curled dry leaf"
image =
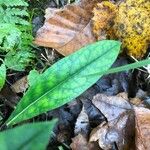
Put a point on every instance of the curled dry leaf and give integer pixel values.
(67, 29)
(120, 126)
(82, 123)
(142, 120)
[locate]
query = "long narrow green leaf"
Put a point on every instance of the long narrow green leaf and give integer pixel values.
(66, 80)
(129, 66)
(123, 68)
(33, 136)
(2, 75)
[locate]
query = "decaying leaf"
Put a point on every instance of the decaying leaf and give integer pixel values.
(82, 123)
(9, 97)
(112, 84)
(20, 86)
(81, 143)
(67, 29)
(142, 119)
(120, 126)
(128, 21)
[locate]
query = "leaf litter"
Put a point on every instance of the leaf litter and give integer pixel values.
(99, 118)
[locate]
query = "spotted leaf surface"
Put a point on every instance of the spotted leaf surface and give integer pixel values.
(29, 136)
(66, 79)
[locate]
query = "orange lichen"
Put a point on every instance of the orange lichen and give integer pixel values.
(104, 14)
(130, 24)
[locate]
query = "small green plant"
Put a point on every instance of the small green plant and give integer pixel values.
(66, 79)
(15, 34)
(27, 137)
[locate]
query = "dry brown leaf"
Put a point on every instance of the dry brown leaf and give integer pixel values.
(68, 29)
(20, 86)
(120, 126)
(80, 143)
(142, 120)
(82, 124)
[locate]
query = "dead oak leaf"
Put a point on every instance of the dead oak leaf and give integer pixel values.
(67, 29)
(119, 128)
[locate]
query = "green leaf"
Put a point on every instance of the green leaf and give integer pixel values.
(13, 2)
(2, 75)
(66, 79)
(129, 66)
(9, 36)
(18, 60)
(124, 68)
(33, 77)
(27, 137)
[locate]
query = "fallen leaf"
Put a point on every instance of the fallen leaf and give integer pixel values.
(79, 142)
(20, 86)
(120, 126)
(67, 29)
(8, 96)
(94, 115)
(142, 120)
(82, 123)
(112, 84)
(98, 132)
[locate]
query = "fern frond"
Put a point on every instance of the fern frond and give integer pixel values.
(13, 16)
(17, 12)
(13, 3)
(10, 37)
(19, 60)
(15, 34)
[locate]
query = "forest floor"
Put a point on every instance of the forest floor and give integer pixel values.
(106, 116)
